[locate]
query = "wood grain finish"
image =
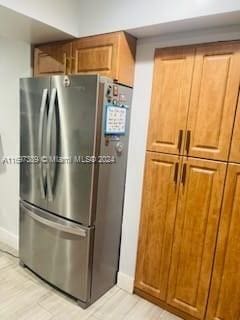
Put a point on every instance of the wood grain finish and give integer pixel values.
(173, 70)
(96, 54)
(97, 59)
(111, 55)
(52, 58)
(224, 301)
(204, 106)
(158, 215)
(196, 227)
(235, 147)
(213, 100)
(163, 304)
(126, 59)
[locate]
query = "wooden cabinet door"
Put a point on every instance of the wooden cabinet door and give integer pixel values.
(97, 54)
(53, 59)
(111, 55)
(213, 100)
(235, 148)
(224, 300)
(157, 222)
(170, 99)
(198, 212)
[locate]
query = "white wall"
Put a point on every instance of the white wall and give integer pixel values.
(14, 25)
(140, 17)
(111, 15)
(138, 135)
(61, 14)
(14, 63)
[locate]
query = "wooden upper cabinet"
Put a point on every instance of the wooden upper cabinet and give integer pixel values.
(173, 70)
(196, 225)
(54, 58)
(213, 100)
(224, 303)
(157, 223)
(235, 148)
(111, 55)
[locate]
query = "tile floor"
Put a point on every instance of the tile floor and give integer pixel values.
(24, 297)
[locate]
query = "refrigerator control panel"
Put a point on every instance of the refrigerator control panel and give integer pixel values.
(115, 119)
(115, 113)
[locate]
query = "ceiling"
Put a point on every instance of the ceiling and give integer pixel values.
(46, 21)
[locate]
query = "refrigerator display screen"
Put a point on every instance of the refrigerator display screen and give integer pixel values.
(115, 121)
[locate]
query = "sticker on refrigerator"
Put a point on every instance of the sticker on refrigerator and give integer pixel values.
(115, 121)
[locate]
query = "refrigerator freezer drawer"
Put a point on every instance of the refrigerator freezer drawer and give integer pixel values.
(57, 250)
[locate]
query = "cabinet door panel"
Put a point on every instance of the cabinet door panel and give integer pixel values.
(224, 301)
(213, 100)
(196, 226)
(52, 59)
(157, 222)
(97, 54)
(94, 59)
(235, 148)
(170, 98)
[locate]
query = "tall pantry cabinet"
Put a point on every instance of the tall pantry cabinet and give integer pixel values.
(188, 253)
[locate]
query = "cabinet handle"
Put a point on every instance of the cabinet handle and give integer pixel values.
(184, 174)
(65, 63)
(188, 141)
(73, 64)
(176, 172)
(180, 137)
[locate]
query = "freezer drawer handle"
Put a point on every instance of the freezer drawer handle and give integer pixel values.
(40, 140)
(77, 231)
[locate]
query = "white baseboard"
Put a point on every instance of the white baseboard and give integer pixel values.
(125, 282)
(9, 238)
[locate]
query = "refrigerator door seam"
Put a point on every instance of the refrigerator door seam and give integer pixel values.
(96, 149)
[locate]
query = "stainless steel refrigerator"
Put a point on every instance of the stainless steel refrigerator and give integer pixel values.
(73, 147)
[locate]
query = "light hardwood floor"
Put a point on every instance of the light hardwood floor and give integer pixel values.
(23, 296)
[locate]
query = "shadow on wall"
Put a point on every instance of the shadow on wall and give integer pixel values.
(3, 167)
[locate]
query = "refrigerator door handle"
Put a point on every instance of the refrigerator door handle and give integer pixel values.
(49, 135)
(40, 140)
(55, 225)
